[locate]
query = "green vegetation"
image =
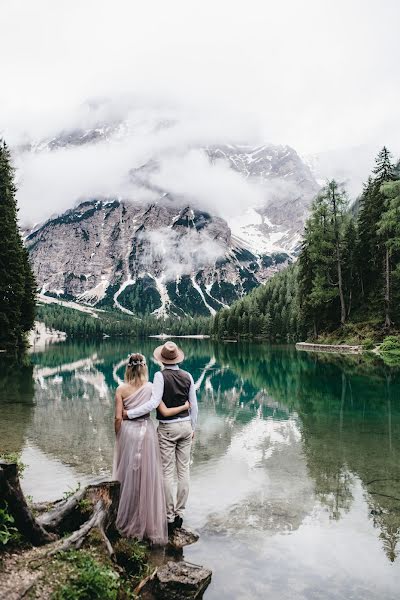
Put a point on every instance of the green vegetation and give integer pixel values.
(7, 530)
(391, 344)
(132, 556)
(14, 457)
(90, 575)
(88, 579)
(142, 297)
(8, 533)
(368, 344)
(271, 311)
(17, 283)
(345, 287)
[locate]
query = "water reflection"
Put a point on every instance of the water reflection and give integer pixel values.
(288, 443)
(16, 405)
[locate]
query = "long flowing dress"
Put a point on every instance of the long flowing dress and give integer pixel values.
(137, 466)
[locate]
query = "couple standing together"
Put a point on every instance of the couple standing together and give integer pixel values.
(144, 465)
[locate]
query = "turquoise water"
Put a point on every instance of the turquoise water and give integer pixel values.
(296, 463)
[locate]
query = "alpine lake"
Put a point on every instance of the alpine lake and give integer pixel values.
(295, 477)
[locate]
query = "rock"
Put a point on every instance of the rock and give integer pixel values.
(178, 581)
(182, 537)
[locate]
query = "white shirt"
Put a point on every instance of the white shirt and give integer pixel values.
(156, 397)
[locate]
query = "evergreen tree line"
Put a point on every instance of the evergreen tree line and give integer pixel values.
(347, 274)
(17, 283)
(271, 311)
(77, 324)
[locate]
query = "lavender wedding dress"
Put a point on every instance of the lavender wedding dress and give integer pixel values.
(137, 466)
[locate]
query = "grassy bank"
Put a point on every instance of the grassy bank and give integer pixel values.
(87, 573)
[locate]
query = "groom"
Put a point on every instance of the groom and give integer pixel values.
(174, 386)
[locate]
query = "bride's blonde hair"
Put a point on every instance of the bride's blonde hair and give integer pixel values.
(136, 372)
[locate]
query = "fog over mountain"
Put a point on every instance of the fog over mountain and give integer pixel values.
(190, 230)
(223, 118)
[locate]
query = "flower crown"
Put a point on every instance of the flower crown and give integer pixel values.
(136, 362)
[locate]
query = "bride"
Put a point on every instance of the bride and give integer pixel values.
(137, 461)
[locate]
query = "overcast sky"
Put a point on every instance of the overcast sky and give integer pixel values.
(316, 74)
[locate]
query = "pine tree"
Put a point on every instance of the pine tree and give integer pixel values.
(266, 325)
(389, 230)
(350, 264)
(384, 168)
(222, 331)
(317, 265)
(371, 249)
(17, 284)
(337, 205)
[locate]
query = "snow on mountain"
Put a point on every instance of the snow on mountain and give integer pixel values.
(145, 259)
(167, 257)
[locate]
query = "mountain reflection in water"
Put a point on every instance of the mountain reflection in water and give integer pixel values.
(296, 449)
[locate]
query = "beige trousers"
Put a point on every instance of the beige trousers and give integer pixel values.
(175, 441)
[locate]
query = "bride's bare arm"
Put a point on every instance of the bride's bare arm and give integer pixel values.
(118, 411)
(171, 412)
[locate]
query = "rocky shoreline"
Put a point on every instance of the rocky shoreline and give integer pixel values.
(56, 549)
(339, 348)
(41, 336)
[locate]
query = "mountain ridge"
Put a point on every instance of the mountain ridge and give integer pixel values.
(145, 259)
(167, 257)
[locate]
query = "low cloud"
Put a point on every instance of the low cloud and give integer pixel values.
(52, 180)
(213, 187)
(178, 254)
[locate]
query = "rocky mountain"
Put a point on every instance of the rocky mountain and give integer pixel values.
(166, 257)
(289, 187)
(145, 258)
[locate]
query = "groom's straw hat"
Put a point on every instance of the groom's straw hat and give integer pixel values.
(169, 354)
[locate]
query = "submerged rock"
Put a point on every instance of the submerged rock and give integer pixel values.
(181, 580)
(182, 537)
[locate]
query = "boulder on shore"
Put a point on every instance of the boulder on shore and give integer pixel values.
(181, 580)
(181, 537)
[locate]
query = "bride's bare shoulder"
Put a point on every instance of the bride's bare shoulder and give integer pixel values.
(122, 388)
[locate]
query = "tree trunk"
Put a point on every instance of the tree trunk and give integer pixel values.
(11, 493)
(101, 507)
(55, 518)
(387, 290)
(339, 261)
(349, 304)
(104, 498)
(341, 294)
(350, 299)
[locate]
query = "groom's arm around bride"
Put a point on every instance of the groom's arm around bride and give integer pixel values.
(157, 399)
